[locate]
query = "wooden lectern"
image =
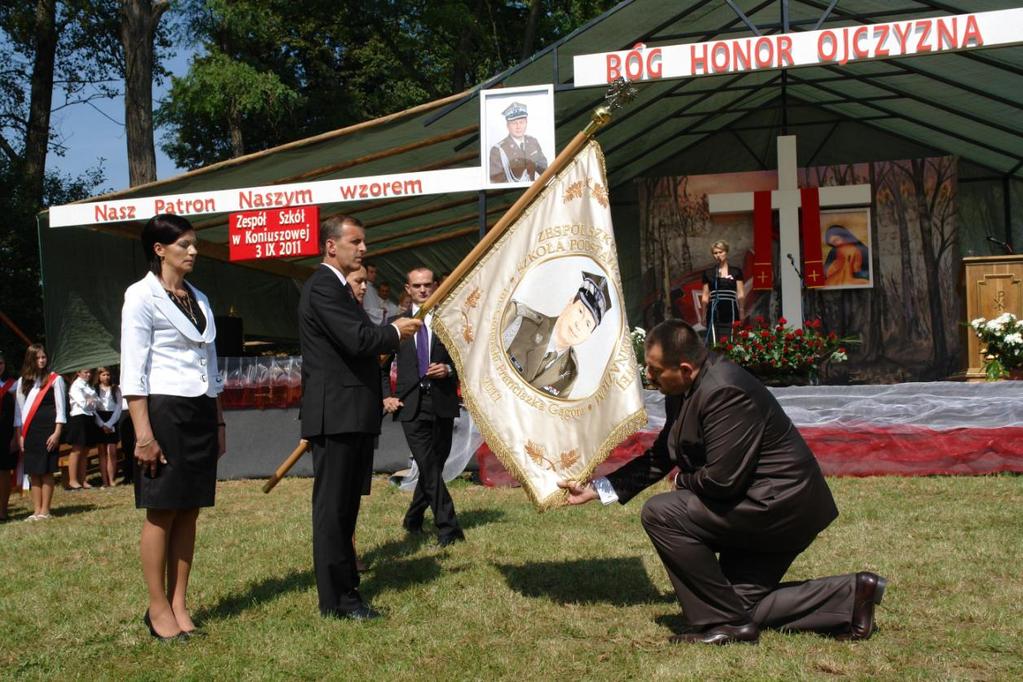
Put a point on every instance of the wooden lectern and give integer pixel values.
(994, 285)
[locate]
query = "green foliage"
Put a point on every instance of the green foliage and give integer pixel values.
(569, 594)
(19, 250)
(321, 65)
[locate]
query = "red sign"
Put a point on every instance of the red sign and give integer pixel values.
(274, 233)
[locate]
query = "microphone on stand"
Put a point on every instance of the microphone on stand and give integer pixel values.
(1004, 245)
(794, 266)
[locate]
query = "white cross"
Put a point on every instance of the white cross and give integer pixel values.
(786, 200)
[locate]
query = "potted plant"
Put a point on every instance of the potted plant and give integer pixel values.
(780, 355)
(1003, 356)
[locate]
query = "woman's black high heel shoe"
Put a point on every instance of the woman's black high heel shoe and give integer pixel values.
(180, 637)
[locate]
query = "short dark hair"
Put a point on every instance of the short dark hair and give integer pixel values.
(419, 268)
(165, 228)
(678, 342)
(331, 229)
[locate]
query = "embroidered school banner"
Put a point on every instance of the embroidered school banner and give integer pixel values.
(538, 332)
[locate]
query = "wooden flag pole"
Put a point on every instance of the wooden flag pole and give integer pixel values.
(619, 93)
(286, 465)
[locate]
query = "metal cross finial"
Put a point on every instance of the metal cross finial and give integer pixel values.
(619, 93)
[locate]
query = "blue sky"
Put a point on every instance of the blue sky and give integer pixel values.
(94, 135)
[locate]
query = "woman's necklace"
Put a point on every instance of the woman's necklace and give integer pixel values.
(184, 304)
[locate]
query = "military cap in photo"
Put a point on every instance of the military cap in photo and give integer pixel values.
(515, 110)
(594, 295)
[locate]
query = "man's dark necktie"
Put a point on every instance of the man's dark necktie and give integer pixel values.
(423, 349)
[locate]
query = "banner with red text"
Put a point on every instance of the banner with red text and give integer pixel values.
(270, 196)
(274, 233)
(837, 46)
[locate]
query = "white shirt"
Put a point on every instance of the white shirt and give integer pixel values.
(23, 403)
(108, 400)
(82, 398)
(371, 302)
(161, 350)
(341, 276)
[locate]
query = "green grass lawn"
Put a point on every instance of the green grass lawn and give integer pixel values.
(571, 594)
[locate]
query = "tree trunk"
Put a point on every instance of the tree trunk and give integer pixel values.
(139, 19)
(37, 136)
(529, 35)
(940, 356)
(234, 123)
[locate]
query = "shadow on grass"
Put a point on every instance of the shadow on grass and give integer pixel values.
(255, 594)
(621, 582)
(395, 576)
(472, 518)
(71, 509)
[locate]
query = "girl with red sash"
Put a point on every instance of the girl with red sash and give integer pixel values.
(40, 414)
(8, 443)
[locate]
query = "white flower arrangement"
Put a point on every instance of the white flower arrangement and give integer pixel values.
(1004, 338)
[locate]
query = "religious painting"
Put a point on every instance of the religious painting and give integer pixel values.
(560, 327)
(516, 135)
(845, 245)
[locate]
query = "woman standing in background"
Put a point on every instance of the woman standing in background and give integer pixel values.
(81, 428)
(8, 441)
(723, 296)
(40, 412)
(108, 413)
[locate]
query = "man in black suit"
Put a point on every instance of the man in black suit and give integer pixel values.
(340, 408)
(748, 489)
(426, 404)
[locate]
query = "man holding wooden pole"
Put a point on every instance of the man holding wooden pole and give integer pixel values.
(340, 414)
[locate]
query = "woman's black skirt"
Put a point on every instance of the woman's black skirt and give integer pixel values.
(186, 430)
(39, 460)
(81, 430)
(102, 436)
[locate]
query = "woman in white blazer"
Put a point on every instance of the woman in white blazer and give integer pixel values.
(40, 413)
(170, 379)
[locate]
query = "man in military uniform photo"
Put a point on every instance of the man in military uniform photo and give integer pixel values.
(542, 348)
(518, 157)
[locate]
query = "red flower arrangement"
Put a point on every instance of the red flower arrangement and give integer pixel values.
(780, 354)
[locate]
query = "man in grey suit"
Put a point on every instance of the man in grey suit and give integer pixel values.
(748, 490)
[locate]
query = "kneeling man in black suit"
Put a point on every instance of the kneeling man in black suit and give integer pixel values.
(749, 499)
(426, 404)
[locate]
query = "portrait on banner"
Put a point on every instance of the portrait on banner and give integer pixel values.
(845, 239)
(560, 326)
(516, 134)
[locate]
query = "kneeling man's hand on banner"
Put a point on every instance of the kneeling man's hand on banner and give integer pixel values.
(579, 493)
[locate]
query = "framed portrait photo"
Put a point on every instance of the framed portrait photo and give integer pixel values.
(846, 249)
(516, 135)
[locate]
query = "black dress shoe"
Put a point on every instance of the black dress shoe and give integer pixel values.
(364, 612)
(180, 637)
(448, 540)
(870, 589)
(411, 528)
(720, 634)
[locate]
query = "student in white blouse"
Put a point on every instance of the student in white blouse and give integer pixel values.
(40, 412)
(81, 428)
(108, 413)
(170, 379)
